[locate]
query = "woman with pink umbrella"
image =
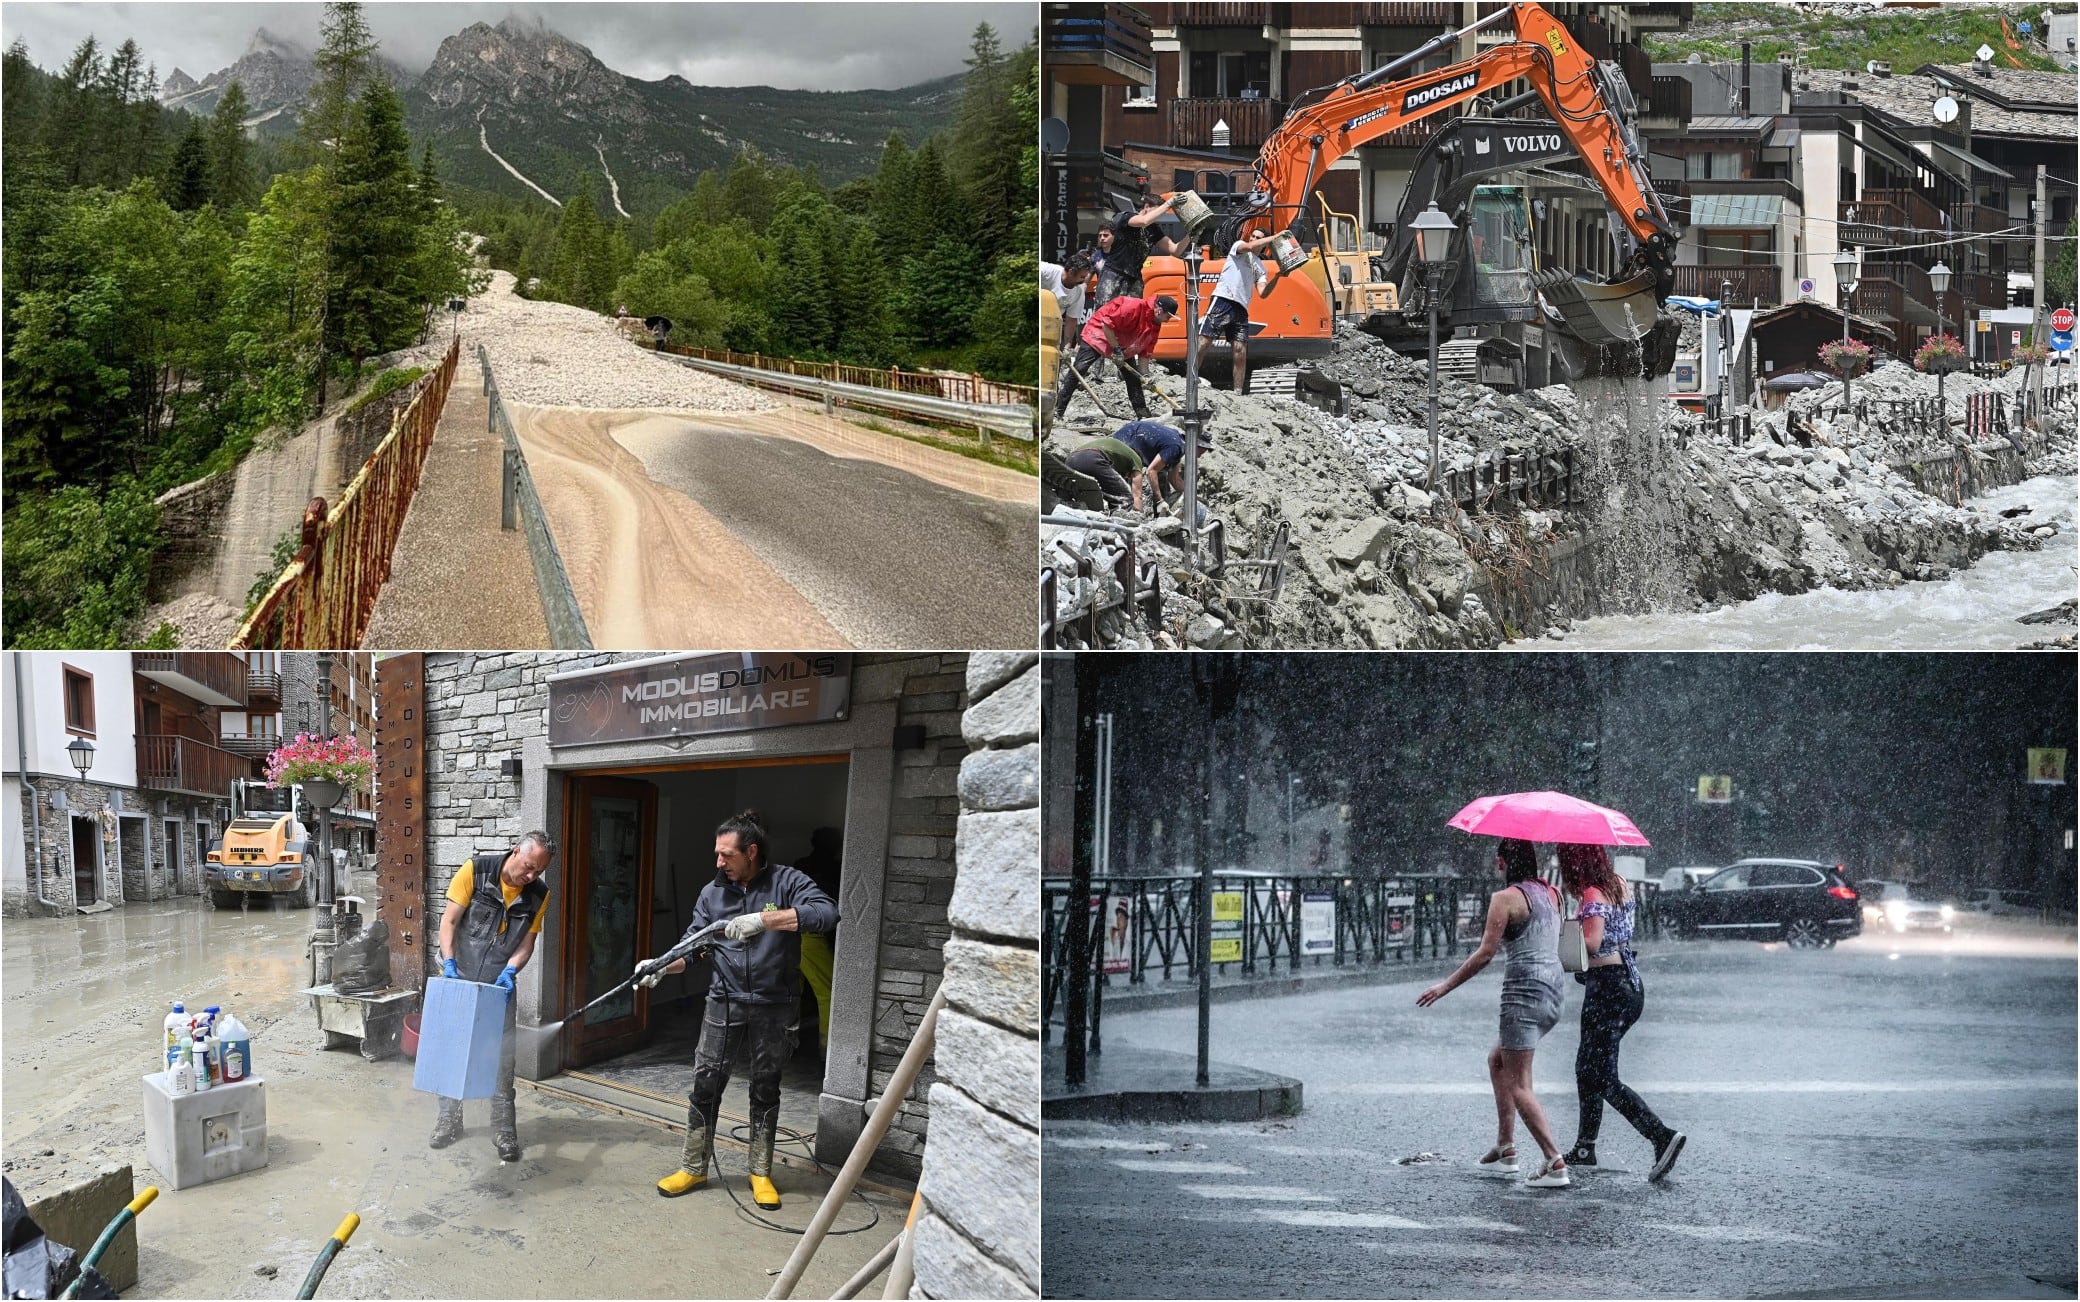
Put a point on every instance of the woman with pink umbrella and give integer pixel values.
(1524, 923)
(1614, 997)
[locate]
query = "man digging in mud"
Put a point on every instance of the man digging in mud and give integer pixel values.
(497, 902)
(754, 997)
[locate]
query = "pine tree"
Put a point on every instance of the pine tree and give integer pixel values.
(231, 171)
(345, 64)
(893, 205)
(749, 191)
(374, 305)
(862, 290)
(76, 116)
(188, 182)
(578, 234)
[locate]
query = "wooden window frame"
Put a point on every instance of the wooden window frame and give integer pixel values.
(90, 727)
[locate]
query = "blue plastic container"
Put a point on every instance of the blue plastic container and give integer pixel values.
(459, 1032)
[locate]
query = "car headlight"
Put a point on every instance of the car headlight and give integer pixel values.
(1948, 913)
(1895, 909)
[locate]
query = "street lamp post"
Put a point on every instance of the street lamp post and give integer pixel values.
(1939, 280)
(1433, 231)
(81, 753)
(1193, 419)
(1845, 277)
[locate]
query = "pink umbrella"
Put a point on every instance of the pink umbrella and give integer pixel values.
(1547, 816)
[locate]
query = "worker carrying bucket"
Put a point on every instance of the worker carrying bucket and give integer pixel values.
(496, 904)
(754, 995)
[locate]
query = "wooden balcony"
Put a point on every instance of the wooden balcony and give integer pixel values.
(1382, 13)
(1661, 17)
(1982, 220)
(169, 763)
(1666, 105)
(1881, 299)
(1919, 210)
(1755, 284)
(1097, 45)
(249, 745)
(1250, 121)
(211, 677)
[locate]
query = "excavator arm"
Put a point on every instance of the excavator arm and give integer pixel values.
(1587, 104)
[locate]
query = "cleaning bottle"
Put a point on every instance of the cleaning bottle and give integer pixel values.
(203, 1065)
(181, 1076)
(176, 1022)
(235, 1046)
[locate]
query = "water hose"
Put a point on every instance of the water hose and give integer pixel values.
(108, 1236)
(327, 1253)
(903, 1273)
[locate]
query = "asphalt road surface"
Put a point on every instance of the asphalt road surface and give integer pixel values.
(888, 557)
(1885, 1119)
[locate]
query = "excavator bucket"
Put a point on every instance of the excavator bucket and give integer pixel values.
(1619, 323)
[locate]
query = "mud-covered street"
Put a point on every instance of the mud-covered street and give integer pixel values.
(578, 1216)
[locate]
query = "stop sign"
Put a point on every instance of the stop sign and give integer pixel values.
(2062, 319)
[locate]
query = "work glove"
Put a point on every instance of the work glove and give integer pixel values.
(505, 978)
(744, 926)
(649, 973)
(448, 969)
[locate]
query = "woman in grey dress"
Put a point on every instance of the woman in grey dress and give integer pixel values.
(1524, 924)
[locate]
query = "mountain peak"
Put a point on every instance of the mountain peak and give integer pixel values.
(266, 42)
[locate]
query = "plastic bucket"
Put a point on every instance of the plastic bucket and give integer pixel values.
(1191, 210)
(409, 1041)
(1289, 254)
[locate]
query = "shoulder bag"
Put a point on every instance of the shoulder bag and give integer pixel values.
(1574, 951)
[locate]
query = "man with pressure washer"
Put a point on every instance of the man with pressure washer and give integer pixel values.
(495, 907)
(754, 995)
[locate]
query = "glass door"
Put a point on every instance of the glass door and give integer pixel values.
(612, 858)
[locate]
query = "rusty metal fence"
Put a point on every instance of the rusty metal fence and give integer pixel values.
(328, 591)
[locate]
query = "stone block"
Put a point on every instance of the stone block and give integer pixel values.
(1364, 542)
(996, 888)
(999, 983)
(1008, 716)
(879, 682)
(994, 1066)
(1001, 779)
(913, 847)
(74, 1210)
(949, 1265)
(989, 670)
(990, 1191)
(938, 780)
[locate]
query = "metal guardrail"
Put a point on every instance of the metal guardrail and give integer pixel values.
(520, 507)
(327, 593)
(1019, 422)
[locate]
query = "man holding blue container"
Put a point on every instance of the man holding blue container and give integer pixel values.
(488, 933)
(754, 997)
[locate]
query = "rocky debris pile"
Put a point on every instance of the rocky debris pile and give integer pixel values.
(201, 621)
(1673, 517)
(556, 355)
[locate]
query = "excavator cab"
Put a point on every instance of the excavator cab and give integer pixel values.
(1500, 254)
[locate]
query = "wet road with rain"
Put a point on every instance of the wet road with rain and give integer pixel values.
(1893, 1117)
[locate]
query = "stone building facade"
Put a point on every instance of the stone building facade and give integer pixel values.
(979, 1232)
(893, 779)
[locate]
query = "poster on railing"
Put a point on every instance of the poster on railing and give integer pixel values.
(1119, 925)
(1317, 922)
(1401, 912)
(1227, 927)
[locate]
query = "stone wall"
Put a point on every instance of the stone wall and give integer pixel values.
(359, 431)
(979, 1232)
(135, 879)
(192, 517)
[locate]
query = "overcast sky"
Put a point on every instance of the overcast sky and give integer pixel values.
(798, 46)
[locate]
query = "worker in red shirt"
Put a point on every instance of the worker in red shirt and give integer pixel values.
(1124, 330)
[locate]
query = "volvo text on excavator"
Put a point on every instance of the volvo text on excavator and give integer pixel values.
(1492, 278)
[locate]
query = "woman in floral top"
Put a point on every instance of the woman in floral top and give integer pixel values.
(1616, 994)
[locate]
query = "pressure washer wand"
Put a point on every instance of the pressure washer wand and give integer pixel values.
(699, 940)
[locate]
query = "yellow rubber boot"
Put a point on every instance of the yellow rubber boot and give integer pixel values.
(693, 1165)
(764, 1194)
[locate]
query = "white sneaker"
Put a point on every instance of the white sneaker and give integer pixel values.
(1499, 1161)
(1551, 1175)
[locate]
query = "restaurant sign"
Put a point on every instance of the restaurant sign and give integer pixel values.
(682, 696)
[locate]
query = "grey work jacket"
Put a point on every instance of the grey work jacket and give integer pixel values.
(767, 969)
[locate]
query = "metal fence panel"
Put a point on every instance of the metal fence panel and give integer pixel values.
(521, 507)
(327, 593)
(904, 391)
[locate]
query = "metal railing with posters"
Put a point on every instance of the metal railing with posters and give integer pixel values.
(328, 591)
(1143, 927)
(520, 507)
(988, 405)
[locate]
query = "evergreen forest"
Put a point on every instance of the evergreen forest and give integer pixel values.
(175, 288)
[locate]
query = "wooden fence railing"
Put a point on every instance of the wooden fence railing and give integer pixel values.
(328, 591)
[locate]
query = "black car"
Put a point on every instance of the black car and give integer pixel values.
(1798, 901)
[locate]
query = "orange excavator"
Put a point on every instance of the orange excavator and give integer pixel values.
(1616, 326)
